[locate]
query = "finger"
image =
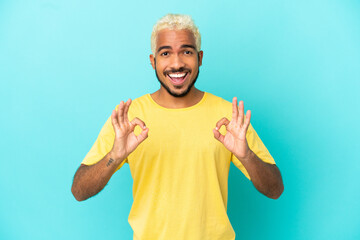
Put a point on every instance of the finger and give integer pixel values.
(114, 120)
(137, 121)
(247, 119)
(241, 113)
(234, 109)
(121, 113)
(143, 135)
(126, 109)
(223, 121)
(218, 135)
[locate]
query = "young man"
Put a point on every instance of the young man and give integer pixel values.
(179, 156)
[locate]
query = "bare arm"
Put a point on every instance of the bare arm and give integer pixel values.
(89, 180)
(265, 177)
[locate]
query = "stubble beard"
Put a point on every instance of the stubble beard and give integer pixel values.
(177, 95)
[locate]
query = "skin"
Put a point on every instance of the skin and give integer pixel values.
(265, 177)
(176, 53)
(89, 180)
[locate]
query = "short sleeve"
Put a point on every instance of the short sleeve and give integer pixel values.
(102, 145)
(257, 146)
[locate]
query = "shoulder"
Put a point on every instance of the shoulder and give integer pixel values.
(216, 99)
(144, 99)
(217, 102)
(218, 106)
(137, 102)
(140, 106)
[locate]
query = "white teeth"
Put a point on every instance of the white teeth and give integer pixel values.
(177, 75)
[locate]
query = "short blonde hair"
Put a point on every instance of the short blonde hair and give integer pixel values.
(178, 22)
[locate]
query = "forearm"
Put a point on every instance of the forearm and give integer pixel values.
(89, 180)
(265, 177)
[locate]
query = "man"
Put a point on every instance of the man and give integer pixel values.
(180, 158)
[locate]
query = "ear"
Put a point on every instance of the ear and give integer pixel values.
(200, 54)
(152, 61)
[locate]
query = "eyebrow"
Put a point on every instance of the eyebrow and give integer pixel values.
(182, 46)
(188, 46)
(163, 47)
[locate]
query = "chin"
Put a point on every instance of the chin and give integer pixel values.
(176, 92)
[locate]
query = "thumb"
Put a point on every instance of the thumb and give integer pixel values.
(143, 135)
(218, 135)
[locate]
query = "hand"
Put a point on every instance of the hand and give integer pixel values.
(125, 139)
(235, 138)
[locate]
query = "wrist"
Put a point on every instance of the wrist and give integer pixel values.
(115, 157)
(245, 157)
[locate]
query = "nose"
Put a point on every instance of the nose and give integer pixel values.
(177, 62)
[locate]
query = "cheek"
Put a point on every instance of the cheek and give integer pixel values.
(194, 61)
(195, 64)
(158, 67)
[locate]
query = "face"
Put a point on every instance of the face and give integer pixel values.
(176, 61)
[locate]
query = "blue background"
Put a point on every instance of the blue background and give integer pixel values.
(64, 65)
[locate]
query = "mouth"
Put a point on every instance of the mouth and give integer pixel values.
(177, 79)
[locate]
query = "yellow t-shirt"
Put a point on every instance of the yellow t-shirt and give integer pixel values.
(180, 172)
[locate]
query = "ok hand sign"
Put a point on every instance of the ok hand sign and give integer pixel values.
(125, 139)
(235, 138)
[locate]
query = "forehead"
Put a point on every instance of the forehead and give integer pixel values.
(174, 38)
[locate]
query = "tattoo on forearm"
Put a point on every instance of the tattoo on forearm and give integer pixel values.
(110, 162)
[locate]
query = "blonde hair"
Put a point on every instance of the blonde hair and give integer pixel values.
(178, 22)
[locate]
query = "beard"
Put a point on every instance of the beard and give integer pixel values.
(178, 95)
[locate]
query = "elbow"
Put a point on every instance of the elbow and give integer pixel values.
(276, 187)
(77, 195)
(276, 192)
(78, 188)
(78, 198)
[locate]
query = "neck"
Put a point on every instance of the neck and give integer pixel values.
(164, 99)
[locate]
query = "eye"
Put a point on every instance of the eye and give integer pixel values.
(188, 52)
(164, 54)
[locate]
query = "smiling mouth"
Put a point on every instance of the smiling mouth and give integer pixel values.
(177, 78)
